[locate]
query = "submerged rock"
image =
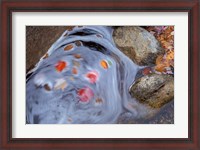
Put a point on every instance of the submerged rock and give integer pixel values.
(138, 44)
(153, 89)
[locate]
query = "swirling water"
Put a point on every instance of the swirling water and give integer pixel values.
(83, 79)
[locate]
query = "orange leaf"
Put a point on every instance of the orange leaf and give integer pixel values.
(68, 47)
(104, 64)
(74, 71)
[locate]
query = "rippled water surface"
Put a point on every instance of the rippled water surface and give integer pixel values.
(83, 78)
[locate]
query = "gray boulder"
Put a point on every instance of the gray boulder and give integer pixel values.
(153, 89)
(138, 44)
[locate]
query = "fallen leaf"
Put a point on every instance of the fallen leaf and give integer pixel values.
(85, 94)
(68, 47)
(60, 66)
(104, 64)
(92, 76)
(60, 84)
(46, 87)
(78, 56)
(74, 71)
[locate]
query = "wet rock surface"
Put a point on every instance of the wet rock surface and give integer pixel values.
(138, 44)
(153, 89)
(164, 116)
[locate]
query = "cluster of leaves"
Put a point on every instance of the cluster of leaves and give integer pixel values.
(165, 35)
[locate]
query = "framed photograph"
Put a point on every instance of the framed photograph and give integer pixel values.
(100, 74)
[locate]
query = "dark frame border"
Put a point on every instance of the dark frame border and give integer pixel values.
(9, 6)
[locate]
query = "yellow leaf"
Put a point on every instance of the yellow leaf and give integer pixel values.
(60, 84)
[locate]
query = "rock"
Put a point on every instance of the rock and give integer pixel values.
(38, 40)
(138, 44)
(153, 89)
(165, 116)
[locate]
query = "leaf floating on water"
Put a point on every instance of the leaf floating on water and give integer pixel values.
(60, 84)
(98, 102)
(85, 94)
(46, 87)
(92, 76)
(74, 71)
(104, 64)
(109, 62)
(60, 66)
(68, 47)
(78, 56)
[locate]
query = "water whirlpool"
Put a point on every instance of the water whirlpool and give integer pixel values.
(82, 79)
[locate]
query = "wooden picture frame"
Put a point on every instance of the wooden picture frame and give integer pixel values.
(9, 6)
